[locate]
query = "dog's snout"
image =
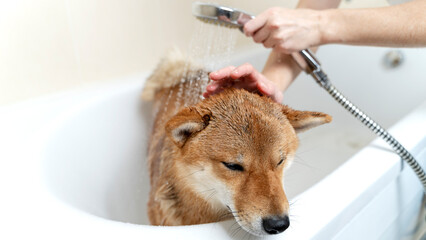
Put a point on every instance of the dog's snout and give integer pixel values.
(275, 225)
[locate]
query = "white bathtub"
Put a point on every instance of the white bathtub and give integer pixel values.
(73, 164)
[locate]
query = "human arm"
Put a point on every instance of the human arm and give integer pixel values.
(290, 30)
(280, 67)
(402, 25)
(279, 71)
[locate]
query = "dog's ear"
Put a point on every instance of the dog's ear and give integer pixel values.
(185, 124)
(304, 120)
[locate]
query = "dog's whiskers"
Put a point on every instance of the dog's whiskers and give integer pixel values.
(211, 195)
(234, 214)
(208, 190)
(236, 229)
(190, 174)
(302, 162)
(249, 236)
(292, 202)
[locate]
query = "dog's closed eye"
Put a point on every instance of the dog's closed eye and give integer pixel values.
(281, 161)
(233, 166)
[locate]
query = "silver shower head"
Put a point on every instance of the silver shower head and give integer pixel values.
(235, 18)
(226, 16)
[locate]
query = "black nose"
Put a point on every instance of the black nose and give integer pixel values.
(275, 225)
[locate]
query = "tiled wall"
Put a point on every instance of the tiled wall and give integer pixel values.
(53, 45)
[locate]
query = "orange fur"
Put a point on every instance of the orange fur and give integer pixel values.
(190, 147)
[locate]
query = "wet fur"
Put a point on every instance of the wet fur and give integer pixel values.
(189, 182)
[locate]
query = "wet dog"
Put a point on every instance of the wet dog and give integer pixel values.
(221, 157)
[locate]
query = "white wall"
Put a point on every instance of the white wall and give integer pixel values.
(54, 45)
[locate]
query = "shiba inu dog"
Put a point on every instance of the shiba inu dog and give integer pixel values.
(221, 157)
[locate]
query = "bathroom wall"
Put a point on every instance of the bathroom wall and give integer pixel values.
(48, 46)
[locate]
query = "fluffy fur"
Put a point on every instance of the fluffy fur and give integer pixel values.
(193, 152)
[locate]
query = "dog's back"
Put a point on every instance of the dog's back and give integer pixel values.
(170, 87)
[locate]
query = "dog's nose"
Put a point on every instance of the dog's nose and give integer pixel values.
(275, 225)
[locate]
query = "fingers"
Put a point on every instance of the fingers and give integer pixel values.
(245, 70)
(211, 89)
(269, 89)
(244, 76)
(253, 25)
(221, 74)
(261, 29)
(270, 43)
(278, 97)
(265, 87)
(229, 76)
(232, 73)
(220, 78)
(261, 35)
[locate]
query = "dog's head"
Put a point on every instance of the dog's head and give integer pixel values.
(233, 148)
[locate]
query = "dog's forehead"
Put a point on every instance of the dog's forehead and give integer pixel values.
(246, 121)
(242, 103)
(256, 136)
(253, 125)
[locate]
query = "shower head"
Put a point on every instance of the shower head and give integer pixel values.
(216, 14)
(235, 18)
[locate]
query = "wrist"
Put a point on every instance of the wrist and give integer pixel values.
(281, 70)
(329, 26)
(281, 79)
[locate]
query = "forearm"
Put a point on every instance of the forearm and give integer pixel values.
(396, 26)
(318, 4)
(280, 68)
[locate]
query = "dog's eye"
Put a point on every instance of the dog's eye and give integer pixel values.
(233, 166)
(281, 161)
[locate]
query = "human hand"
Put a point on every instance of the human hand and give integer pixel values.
(286, 30)
(246, 77)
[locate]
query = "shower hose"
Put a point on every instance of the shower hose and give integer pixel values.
(325, 83)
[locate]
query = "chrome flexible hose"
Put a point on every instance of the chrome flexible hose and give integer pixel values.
(310, 64)
(378, 130)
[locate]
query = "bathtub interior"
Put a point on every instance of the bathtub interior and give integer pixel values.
(94, 158)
